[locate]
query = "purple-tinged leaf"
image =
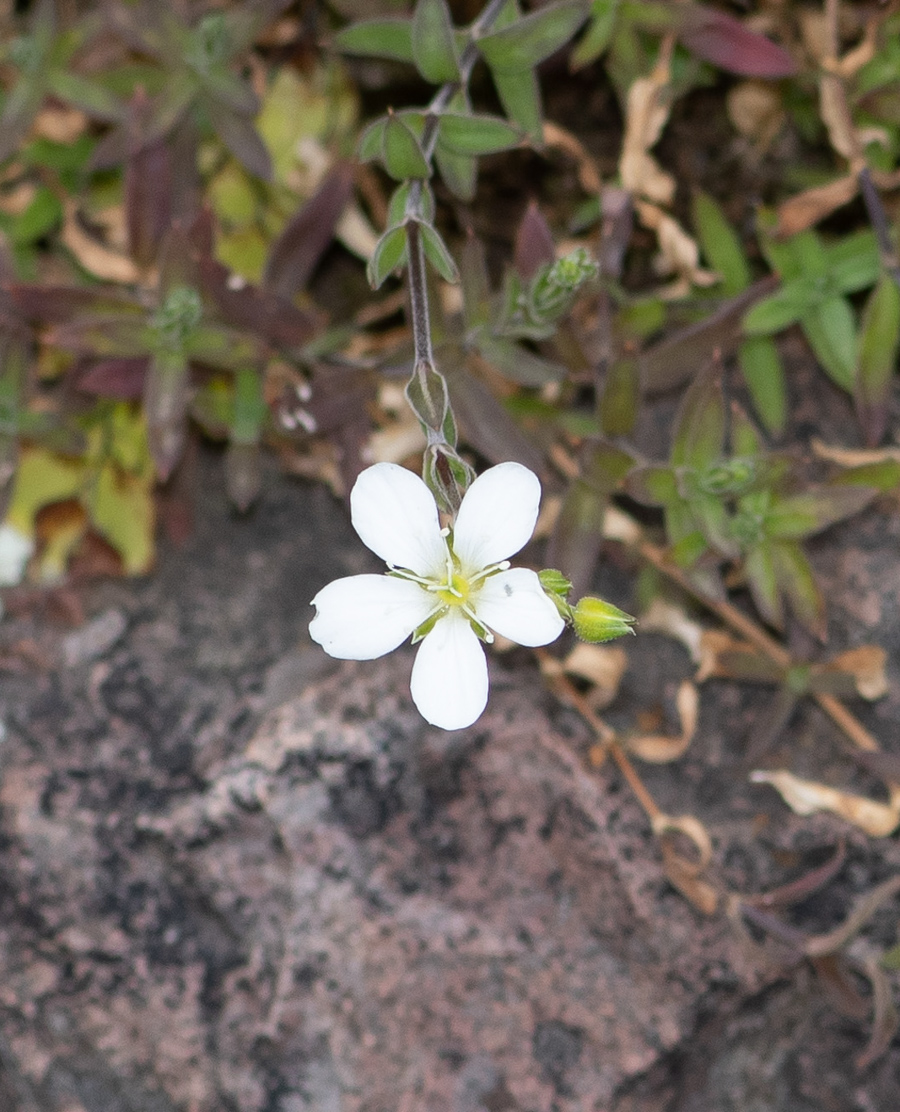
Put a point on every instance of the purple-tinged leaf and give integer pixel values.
(58, 304)
(256, 311)
(670, 362)
(297, 250)
(246, 22)
(724, 41)
(241, 138)
(112, 378)
(148, 185)
(229, 91)
(534, 246)
(483, 421)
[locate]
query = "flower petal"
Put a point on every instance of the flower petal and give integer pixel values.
(449, 682)
(396, 516)
(497, 515)
(365, 616)
(513, 604)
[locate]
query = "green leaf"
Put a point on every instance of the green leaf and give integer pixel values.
(759, 568)
(475, 135)
(389, 253)
(653, 485)
(883, 475)
(831, 331)
(699, 435)
(712, 516)
(720, 245)
(433, 42)
(379, 38)
(40, 217)
(598, 36)
(879, 343)
(858, 271)
(459, 171)
(797, 583)
(401, 153)
(764, 375)
(621, 398)
(531, 39)
(801, 515)
(400, 199)
(782, 308)
(521, 99)
(517, 363)
(437, 254)
(87, 95)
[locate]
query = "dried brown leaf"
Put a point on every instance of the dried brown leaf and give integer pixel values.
(602, 666)
(866, 664)
(808, 797)
(659, 748)
(665, 616)
(685, 874)
(95, 257)
(757, 111)
(805, 209)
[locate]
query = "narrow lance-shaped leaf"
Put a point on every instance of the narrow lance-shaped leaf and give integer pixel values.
(433, 42)
(379, 38)
(699, 434)
(802, 515)
(831, 331)
(797, 584)
(879, 344)
(599, 35)
(532, 38)
(763, 373)
(720, 245)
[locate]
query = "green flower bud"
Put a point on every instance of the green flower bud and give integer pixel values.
(597, 621)
(557, 587)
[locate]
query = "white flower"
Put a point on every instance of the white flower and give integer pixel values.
(451, 589)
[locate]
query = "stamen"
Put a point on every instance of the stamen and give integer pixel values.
(470, 614)
(405, 573)
(491, 569)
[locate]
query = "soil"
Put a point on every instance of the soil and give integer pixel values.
(237, 876)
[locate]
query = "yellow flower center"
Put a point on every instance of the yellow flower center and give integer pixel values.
(456, 592)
